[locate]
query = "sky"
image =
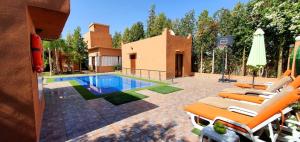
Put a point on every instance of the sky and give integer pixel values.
(120, 14)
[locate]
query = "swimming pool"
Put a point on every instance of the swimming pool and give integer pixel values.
(103, 84)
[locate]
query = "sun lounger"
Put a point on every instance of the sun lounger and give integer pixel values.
(254, 96)
(271, 89)
(246, 125)
(262, 86)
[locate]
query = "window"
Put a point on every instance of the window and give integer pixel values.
(110, 60)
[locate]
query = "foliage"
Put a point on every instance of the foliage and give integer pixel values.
(117, 40)
(118, 67)
(135, 33)
(161, 22)
(205, 37)
(296, 106)
(126, 36)
(150, 22)
(79, 47)
(187, 24)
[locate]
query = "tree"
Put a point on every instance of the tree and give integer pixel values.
(161, 22)
(48, 46)
(80, 48)
(137, 32)
(117, 40)
(59, 45)
(69, 51)
(150, 22)
(126, 36)
(242, 32)
(206, 35)
(281, 24)
(187, 24)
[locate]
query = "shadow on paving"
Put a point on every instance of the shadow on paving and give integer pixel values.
(67, 115)
(142, 131)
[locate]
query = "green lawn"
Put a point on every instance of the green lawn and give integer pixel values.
(165, 89)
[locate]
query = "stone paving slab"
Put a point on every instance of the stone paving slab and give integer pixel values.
(68, 116)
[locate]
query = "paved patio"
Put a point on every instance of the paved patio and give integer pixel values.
(159, 117)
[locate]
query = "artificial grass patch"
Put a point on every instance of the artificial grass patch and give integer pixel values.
(119, 98)
(165, 89)
(196, 131)
(86, 94)
(116, 98)
(50, 80)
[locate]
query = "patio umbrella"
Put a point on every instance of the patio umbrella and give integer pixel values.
(257, 57)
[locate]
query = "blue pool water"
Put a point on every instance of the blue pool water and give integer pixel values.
(103, 84)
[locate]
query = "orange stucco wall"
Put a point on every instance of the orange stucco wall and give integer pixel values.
(98, 36)
(155, 56)
(100, 44)
(20, 106)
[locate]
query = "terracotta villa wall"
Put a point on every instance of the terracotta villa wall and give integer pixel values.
(21, 107)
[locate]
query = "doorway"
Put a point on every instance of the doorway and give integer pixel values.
(93, 64)
(178, 65)
(132, 63)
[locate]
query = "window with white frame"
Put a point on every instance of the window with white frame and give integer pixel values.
(110, 60)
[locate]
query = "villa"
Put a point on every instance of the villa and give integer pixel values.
(161, 57)
(102, 56)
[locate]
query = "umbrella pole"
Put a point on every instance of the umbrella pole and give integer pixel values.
(253, 79)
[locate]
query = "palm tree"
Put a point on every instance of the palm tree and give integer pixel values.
(59, 46)
(49, 47)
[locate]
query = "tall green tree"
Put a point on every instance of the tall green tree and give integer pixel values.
(137, 32)
(205, 36)
(150, 22)
(59, 45)
(187, 24)
(242, 32)
(49, 48)
(161, 22)
(117, 40)
(80, 54)
(69, 52)
(126, 36)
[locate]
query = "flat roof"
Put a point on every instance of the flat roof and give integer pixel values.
(94, 23)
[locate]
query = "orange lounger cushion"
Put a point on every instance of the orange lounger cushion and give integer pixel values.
(245, 85)
(248, 98)
(211, 112)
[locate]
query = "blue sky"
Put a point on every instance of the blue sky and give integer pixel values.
(120, 14)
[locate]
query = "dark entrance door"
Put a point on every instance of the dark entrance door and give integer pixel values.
(178, 65)
(132, 63)
(93, 64)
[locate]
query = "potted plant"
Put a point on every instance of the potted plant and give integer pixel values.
(220, 128)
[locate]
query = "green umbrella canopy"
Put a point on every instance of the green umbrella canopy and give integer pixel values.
(257, 57)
